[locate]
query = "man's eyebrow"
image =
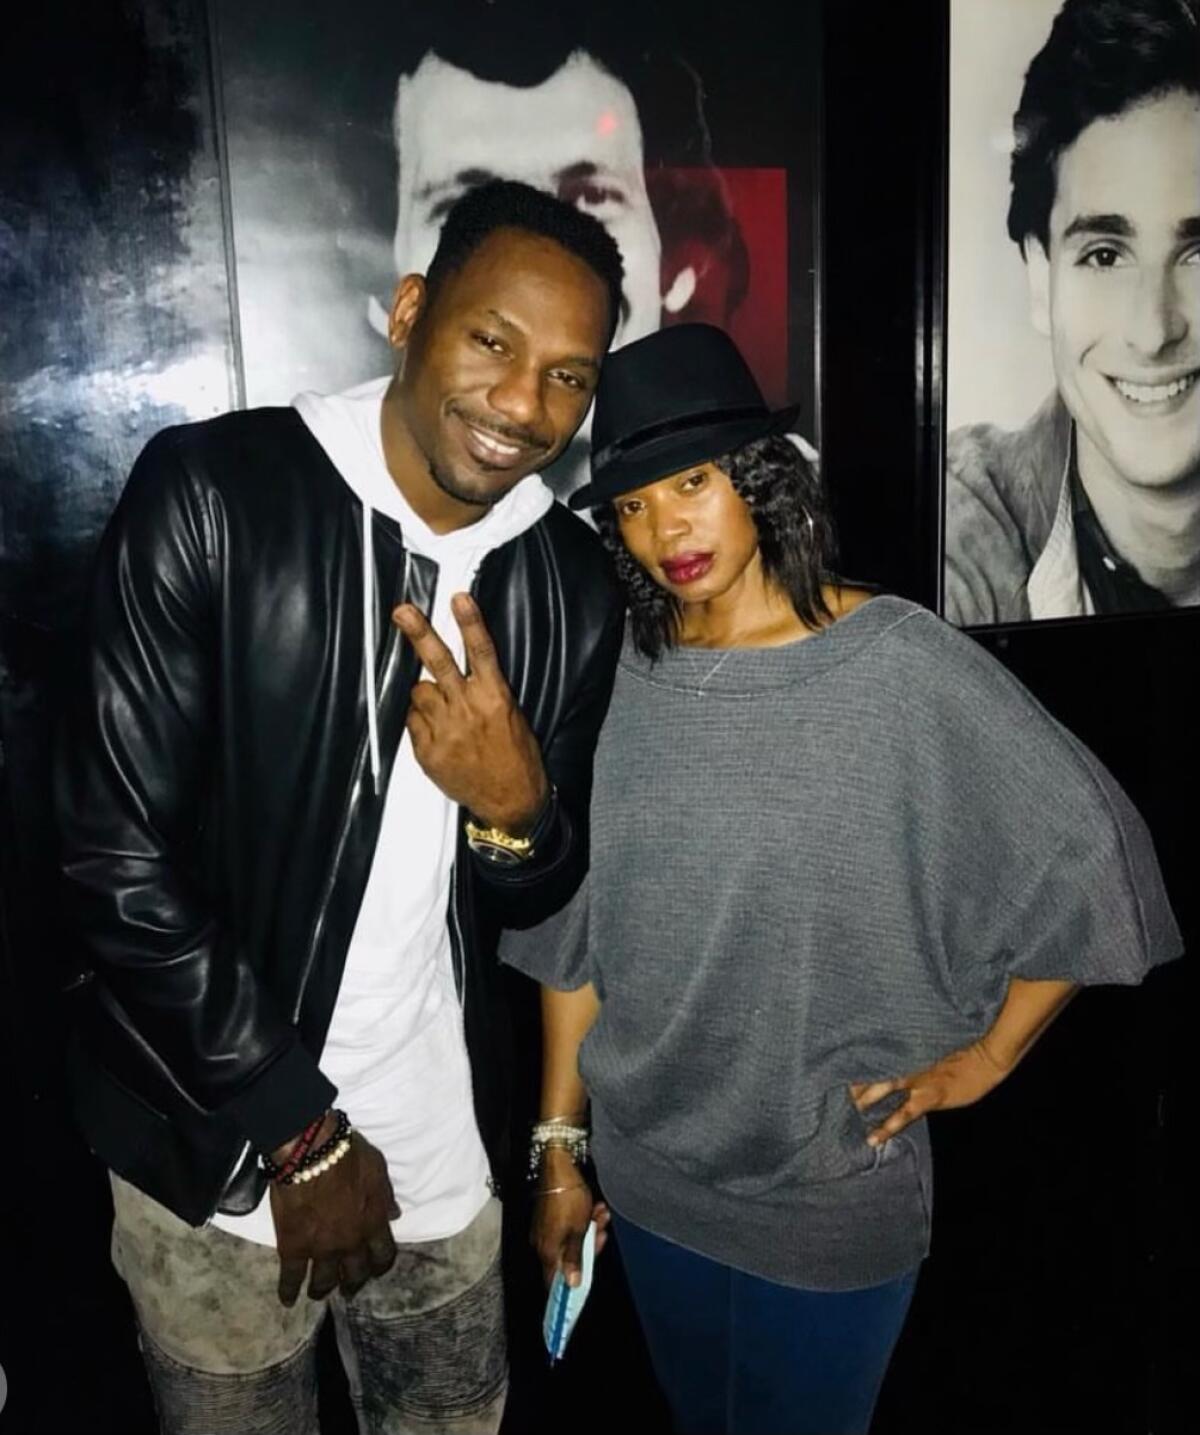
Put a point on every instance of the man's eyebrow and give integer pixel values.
(582, 361)
(583, 170)
(464, 179)
(1188, 228)
(1113, 224)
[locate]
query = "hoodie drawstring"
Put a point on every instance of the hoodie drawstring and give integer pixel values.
(370, 640)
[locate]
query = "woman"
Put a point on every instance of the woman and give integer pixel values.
(844, 872)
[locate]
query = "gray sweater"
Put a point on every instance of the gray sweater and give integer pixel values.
(813, 865)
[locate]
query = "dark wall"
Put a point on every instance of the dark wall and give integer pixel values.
(1054, 1300)
(114, 321)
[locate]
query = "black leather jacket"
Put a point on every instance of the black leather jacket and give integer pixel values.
(217, 815)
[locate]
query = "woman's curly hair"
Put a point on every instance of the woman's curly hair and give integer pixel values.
(795, 540)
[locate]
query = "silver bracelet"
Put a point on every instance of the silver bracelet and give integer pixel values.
(558, 1132)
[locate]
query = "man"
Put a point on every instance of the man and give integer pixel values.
(291, 857)
(1094, 507)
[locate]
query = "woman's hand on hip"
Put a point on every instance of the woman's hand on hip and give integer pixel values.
(959, 1079)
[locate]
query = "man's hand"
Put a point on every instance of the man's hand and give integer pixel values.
(339, 1222)
(560, 1220)
(959, 1079)
(468, 733)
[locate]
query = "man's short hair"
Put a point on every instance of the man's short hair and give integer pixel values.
(508, 204)
(1102, 57)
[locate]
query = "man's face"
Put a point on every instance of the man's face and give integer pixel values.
(576, 135)
(1119, 294)
(501, 363)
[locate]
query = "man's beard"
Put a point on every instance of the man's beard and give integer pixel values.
(446, 481)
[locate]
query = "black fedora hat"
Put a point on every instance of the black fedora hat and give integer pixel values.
(677, 397)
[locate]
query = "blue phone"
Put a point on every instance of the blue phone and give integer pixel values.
(565, 1302)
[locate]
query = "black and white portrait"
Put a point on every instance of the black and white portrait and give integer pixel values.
(350, 134)
(1073, 337)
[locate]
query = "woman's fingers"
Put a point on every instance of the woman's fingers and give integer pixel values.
(602, 1216)
(867, 1093)
(958, 1079)
(900, 1118)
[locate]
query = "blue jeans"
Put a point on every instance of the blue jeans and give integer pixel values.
(423, 1346)
(739, 1355)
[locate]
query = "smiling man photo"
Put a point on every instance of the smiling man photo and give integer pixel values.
(1094, 506)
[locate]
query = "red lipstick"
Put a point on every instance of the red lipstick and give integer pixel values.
(687, 567)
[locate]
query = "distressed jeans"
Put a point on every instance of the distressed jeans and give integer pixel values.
(423, 1346)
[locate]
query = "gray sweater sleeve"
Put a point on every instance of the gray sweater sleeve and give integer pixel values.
(1097, 910)
(555, 952)
(1077, 893)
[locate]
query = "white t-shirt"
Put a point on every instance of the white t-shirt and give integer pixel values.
(395, 1048)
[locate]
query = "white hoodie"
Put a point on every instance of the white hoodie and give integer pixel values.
(395, 1047)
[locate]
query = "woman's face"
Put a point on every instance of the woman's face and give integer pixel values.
(692, 532)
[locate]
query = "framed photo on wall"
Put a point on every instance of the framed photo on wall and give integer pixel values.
(348, 132)
(1072, 482)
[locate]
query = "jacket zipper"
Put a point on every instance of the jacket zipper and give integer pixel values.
(457, 943)
(458, 955)
(458, 949)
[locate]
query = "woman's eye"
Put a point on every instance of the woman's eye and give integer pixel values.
(693, 481)
(627, 510)
(488, 342)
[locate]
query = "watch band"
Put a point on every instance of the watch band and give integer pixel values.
(496, 845)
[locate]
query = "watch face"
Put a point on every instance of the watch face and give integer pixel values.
(501, 856)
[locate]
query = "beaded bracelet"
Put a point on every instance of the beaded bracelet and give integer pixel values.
(313, 1161)
(298, 1152)
(561, 1132)
(309, 1173)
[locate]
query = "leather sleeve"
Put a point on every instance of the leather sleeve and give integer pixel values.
(137, 756)
(526, 894)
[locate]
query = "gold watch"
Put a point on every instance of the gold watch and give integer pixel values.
(497, 846)
(493, 844)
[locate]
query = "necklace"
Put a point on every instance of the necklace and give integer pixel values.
(716, 667)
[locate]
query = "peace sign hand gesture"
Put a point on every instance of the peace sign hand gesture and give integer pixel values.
(467, 731)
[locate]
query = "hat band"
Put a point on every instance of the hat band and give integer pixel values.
(656, 431)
